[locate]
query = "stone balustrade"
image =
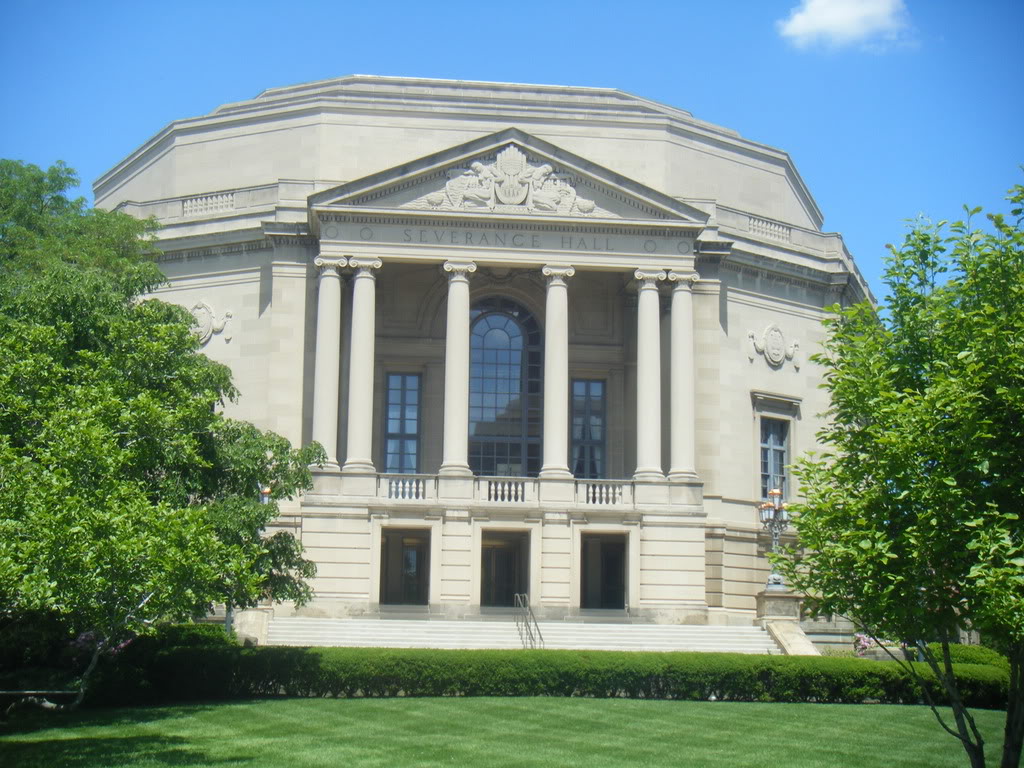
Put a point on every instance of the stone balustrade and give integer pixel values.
(513, 491)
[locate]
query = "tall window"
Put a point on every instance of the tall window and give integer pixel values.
(774, 458)
(402, 430)
(505, 419)
(588, 428)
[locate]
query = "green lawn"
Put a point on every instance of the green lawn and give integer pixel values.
(492, 732)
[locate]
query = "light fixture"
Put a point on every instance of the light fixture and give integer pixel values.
(775, 519)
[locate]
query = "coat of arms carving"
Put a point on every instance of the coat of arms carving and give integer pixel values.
(207, 323)
(772, 345)
(510, 184)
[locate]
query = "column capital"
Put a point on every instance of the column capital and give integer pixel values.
(648, 278)
(557, 275)
(459, 269)
(324, 263)
(682, 280)
(364, 265)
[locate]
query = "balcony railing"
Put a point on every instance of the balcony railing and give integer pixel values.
(520, 491)
(407, 487)
(506, 490)
(604, 493)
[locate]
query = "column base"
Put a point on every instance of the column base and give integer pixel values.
(648, 476)
(331, 465)
(359, 466)
(682, 476)
(555, 473)
(455, 470)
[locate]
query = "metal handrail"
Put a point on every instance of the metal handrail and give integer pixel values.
(526, 622)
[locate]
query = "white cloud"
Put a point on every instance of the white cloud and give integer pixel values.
(841, 23)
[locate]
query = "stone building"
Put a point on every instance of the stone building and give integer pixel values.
(554, 340)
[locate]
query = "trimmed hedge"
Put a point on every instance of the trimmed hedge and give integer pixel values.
(971, 654)
(200, 673)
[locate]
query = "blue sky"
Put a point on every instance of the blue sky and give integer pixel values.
(890, 108)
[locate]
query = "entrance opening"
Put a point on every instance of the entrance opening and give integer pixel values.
(504, 567)
(603, 582)
(404, 567)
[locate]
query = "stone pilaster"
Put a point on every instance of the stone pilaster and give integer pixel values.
(683, 382)
(327, 366)
(556, 374)
(361, 364)
(648, 376)
(456, 371)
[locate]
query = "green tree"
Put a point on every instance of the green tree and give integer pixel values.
(126, 497)
(910, 523)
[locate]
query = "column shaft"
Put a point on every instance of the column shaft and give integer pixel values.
(327, 366)
(456, 371)
(683, 393)
(361, 364)
(648, 378)
(556, 374)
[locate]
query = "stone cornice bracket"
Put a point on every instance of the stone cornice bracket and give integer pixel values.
(330, 262)
(682, 280)
(772, 345)
(649, 278)
(363, 266)
(459, 270)
(557, 275)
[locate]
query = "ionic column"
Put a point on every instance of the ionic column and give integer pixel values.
(556, 373)
(360, 374)
(648, 377)
(327, 366)
(683, 460)
(455, 448)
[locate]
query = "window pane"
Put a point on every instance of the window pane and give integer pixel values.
(588, 432)
(402, 423)
(774, 455)
(501, 428)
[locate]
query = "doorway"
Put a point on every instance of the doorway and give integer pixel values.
(504, 567)
(404, 567)
(603, 575)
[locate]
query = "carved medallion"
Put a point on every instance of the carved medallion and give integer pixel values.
(207, 324)
(772, 345)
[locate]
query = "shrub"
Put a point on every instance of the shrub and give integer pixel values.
(195, 673)
(971, 654)
(127, 676)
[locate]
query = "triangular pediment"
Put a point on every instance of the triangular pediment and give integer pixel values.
(509, 173)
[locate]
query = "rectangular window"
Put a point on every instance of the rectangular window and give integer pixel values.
(402, 423)
(774, 455)
(588, 428)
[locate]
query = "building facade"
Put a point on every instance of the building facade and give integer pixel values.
(553, 340)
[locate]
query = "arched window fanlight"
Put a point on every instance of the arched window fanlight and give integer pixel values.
(505, 392)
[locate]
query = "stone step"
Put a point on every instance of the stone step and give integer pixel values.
(435, 633)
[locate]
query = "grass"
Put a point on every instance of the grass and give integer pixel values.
(492, 732)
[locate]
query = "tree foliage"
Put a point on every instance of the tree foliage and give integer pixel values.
(125, 494)
(910, 523)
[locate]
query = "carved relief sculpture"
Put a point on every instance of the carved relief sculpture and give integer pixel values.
(207, 323)
(772, 345)
(510, 183)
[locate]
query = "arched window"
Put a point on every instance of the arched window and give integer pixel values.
(505, 418)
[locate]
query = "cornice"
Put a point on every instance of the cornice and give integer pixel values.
(499, 102)
(192, 254)
(639, 227)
